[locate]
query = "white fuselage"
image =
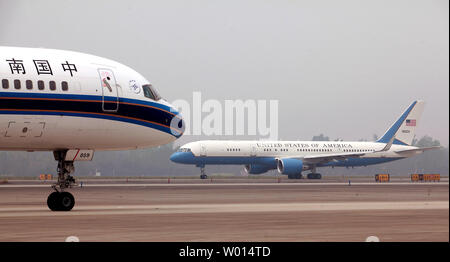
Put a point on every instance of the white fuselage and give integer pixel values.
(280, 149)
(54, 99)
(260, 156)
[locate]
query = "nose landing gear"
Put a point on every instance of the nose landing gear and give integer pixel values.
(203, 173)
(61, 200)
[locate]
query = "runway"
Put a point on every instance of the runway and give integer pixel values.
(224, 208)
(228, 184)
(230, 212)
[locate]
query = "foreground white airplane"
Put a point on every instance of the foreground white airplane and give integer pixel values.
(293, 157)
(73, 104)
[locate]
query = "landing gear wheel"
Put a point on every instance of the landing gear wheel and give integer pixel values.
(60, 201)
(314, 176)
(52, 201)
(203, 176)
(66, 201)
(296, 176)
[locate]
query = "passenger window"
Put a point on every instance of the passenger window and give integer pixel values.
(41, 85)
(29, 84)
(17, 84)
(5, 83)
(64, 86)
(52, 85)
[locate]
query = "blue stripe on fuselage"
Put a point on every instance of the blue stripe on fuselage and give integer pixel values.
(93, 115)
(270, 162)
(189, 158)
(84, 97)
(156, 116)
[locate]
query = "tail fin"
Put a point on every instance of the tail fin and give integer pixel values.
(403, 130)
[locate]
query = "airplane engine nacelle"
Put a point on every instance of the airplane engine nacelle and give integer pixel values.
(255, 169)
(289, 166)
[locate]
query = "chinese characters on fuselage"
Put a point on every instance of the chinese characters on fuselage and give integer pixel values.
(42, 67)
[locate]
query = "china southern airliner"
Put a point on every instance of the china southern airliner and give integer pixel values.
(74, 104)
(291, 158)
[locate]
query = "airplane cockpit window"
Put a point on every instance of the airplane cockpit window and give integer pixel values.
(184, 150)
(150, 92)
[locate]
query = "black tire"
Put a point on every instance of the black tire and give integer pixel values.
(66, 201)
(310, 176)
(203, 176)
(52, 201)
(318, 176)
(296, 176)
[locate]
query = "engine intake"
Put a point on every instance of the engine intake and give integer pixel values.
(255, 169)
(290, 166)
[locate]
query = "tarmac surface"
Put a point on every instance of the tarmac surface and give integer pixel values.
(239, 211)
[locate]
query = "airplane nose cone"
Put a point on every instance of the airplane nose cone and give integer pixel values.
(177, 124)
(176, 157)
(182, 157)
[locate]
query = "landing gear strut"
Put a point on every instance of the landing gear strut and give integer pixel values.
(202, 173)
(61, 200)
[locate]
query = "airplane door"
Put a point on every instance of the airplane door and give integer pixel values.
(202, 150)
(253, 151)
(110, 96)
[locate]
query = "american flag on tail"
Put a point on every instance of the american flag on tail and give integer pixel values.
(410, 122)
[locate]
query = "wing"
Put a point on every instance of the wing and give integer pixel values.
(329, 157)
(325, 158)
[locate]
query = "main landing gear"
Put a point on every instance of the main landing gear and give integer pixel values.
(203, 173)
(314, 174)
(61, 200)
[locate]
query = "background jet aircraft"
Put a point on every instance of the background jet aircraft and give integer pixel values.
(291, 158)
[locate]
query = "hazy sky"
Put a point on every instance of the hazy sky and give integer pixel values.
(343, 68)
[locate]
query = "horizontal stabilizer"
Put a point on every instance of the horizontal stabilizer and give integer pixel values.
(421, 149)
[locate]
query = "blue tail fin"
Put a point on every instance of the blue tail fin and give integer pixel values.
(403, 130)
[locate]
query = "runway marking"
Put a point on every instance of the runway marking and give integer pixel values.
(43, 211)
(239, 184)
